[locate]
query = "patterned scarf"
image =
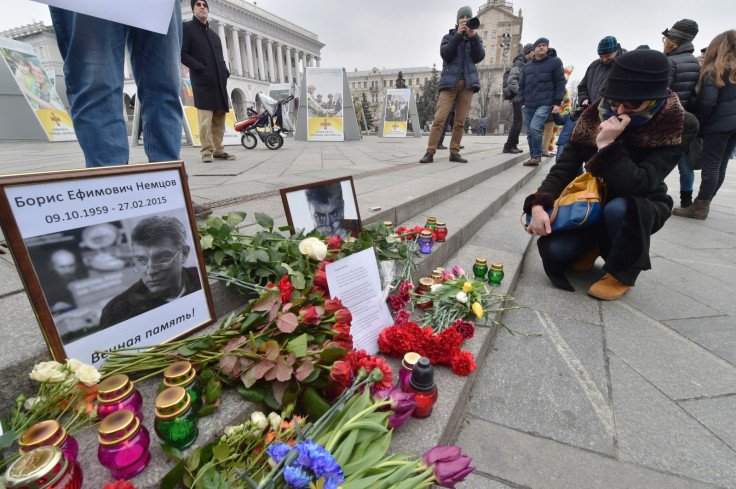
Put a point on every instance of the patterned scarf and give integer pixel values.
(637, 118)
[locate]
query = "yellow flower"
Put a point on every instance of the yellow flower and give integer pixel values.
(478, 309)
(467, 287)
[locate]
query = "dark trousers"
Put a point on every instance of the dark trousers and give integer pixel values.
(513, 138)
(717, 150)
(449, 122)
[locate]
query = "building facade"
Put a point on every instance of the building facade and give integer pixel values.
(259, 48)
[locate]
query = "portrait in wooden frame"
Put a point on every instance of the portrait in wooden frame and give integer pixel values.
(109, 257)
(330, 207)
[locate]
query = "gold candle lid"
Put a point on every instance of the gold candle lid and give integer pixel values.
(436, 276)
(426, 283)
(497, 266)
(172, 402)
(45, 433)
(481, 261)
(432, 219)
(441, 223)
(114, 388)
(117, 427)
(425, 234)
(179, 373)
(410, 358)
(38, 468)
(388, 224)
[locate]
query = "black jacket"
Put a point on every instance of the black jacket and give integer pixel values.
(595, 78)
(515, 74)
(542, 82)
(684, 74)
(460, 53)
(716, 107)
(201, 52)
(634, 168)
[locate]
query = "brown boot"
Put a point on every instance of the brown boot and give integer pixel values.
(699, 210)
(608, 288)
(532, 161)
(585, 263)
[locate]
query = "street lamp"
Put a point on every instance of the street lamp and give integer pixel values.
(506, 45)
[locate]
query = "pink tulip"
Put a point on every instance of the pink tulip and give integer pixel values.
(402, 404)
(450, 465)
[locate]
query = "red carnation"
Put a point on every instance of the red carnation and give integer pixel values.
(119, 484)
(286, 288)
(333, 305)
(396, 302)
(385, 368)
(463, 363)
(333, 242)
(402, 317)
(465, 328)
(309, 315)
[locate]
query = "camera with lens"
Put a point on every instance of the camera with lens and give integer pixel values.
(473, 23)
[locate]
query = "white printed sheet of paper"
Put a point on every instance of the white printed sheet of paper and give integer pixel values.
(356, 282)
(156, 19)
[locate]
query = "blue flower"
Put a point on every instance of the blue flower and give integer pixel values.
(277, 451)
(320, 461)
(297, 477)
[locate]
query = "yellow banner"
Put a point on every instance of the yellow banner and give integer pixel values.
(231, 137)
(394, 128)
(57, 124)
(325, 128)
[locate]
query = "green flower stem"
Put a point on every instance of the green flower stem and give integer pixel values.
(345, 427)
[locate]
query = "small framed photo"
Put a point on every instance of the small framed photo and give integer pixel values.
(330, 207)
(109, 257)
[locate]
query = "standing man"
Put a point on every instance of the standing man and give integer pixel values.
(460, 49)
(595, 77)
(201, 52)
(513, 86)
(541, 88)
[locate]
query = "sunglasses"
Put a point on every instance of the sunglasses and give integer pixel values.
(627, 105)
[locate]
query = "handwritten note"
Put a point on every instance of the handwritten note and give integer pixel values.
(156, 18)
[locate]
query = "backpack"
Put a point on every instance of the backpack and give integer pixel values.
(507, 93)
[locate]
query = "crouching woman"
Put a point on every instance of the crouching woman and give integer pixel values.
(631, 138)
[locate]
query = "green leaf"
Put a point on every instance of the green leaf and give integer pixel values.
(206, 241)
(219, 256)
(172, 478)
(193, 459)
(172, 452)
(7, 439)
(210, 479)
(297, 278)
(314, 403)
(264, 220)
(221, 452)
(185, 351)
(271, 401)
(212, 391)
(234, 218)
(298, 346)
(207, 410)
(254, 394)
(332, 354)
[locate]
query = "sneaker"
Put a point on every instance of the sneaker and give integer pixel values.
(206, 158)
(608, 288)
(512, 150)
(224, 156)
(455, 157)
(533, 161)
(428, 158)
(441, 146)
(462, 147)
(201, 211)
(547, 154)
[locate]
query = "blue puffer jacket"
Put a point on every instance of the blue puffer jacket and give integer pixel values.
(716, 107)
(460, 53)
(542, 82)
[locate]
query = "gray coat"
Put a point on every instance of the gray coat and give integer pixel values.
(514, 75)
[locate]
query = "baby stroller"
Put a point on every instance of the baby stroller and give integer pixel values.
(262, 123)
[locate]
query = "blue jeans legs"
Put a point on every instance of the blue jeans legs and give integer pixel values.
(533, 125)
(93, 50)
(687, 176)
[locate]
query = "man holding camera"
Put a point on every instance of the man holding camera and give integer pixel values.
(460, 49)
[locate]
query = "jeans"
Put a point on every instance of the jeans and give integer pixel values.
(687, 176)
(533, 125)
(717, 150)
(515, 130)
(93, 50)
(463, 97)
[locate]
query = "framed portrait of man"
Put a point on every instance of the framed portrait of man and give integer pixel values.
(330, 207)
(109, 257)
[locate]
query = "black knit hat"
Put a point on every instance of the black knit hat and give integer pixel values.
(684, 30)
(205, 2)
(638, 75)
(541, 40)
(528, 48)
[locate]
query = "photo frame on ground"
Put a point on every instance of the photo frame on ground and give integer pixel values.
(109, 257)
(330, 207)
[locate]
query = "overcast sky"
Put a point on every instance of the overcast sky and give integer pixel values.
(407, 33)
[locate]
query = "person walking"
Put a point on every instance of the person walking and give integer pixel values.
(461, 49)
(716, 112)
(201, 52)
(512, 141)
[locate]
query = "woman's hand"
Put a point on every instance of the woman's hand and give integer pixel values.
(610, 129)
(539, 224)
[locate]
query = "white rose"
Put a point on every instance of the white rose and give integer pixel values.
(48, 372)
(258, 420)
(275, 421)
(315, 248)
(30, 402)
(462, 297)
(73, 364)
(434, 287)
(87, 374)
(229, 430)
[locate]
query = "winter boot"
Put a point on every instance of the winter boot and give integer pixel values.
(608, 288)
(699, 210)
(686, 198)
